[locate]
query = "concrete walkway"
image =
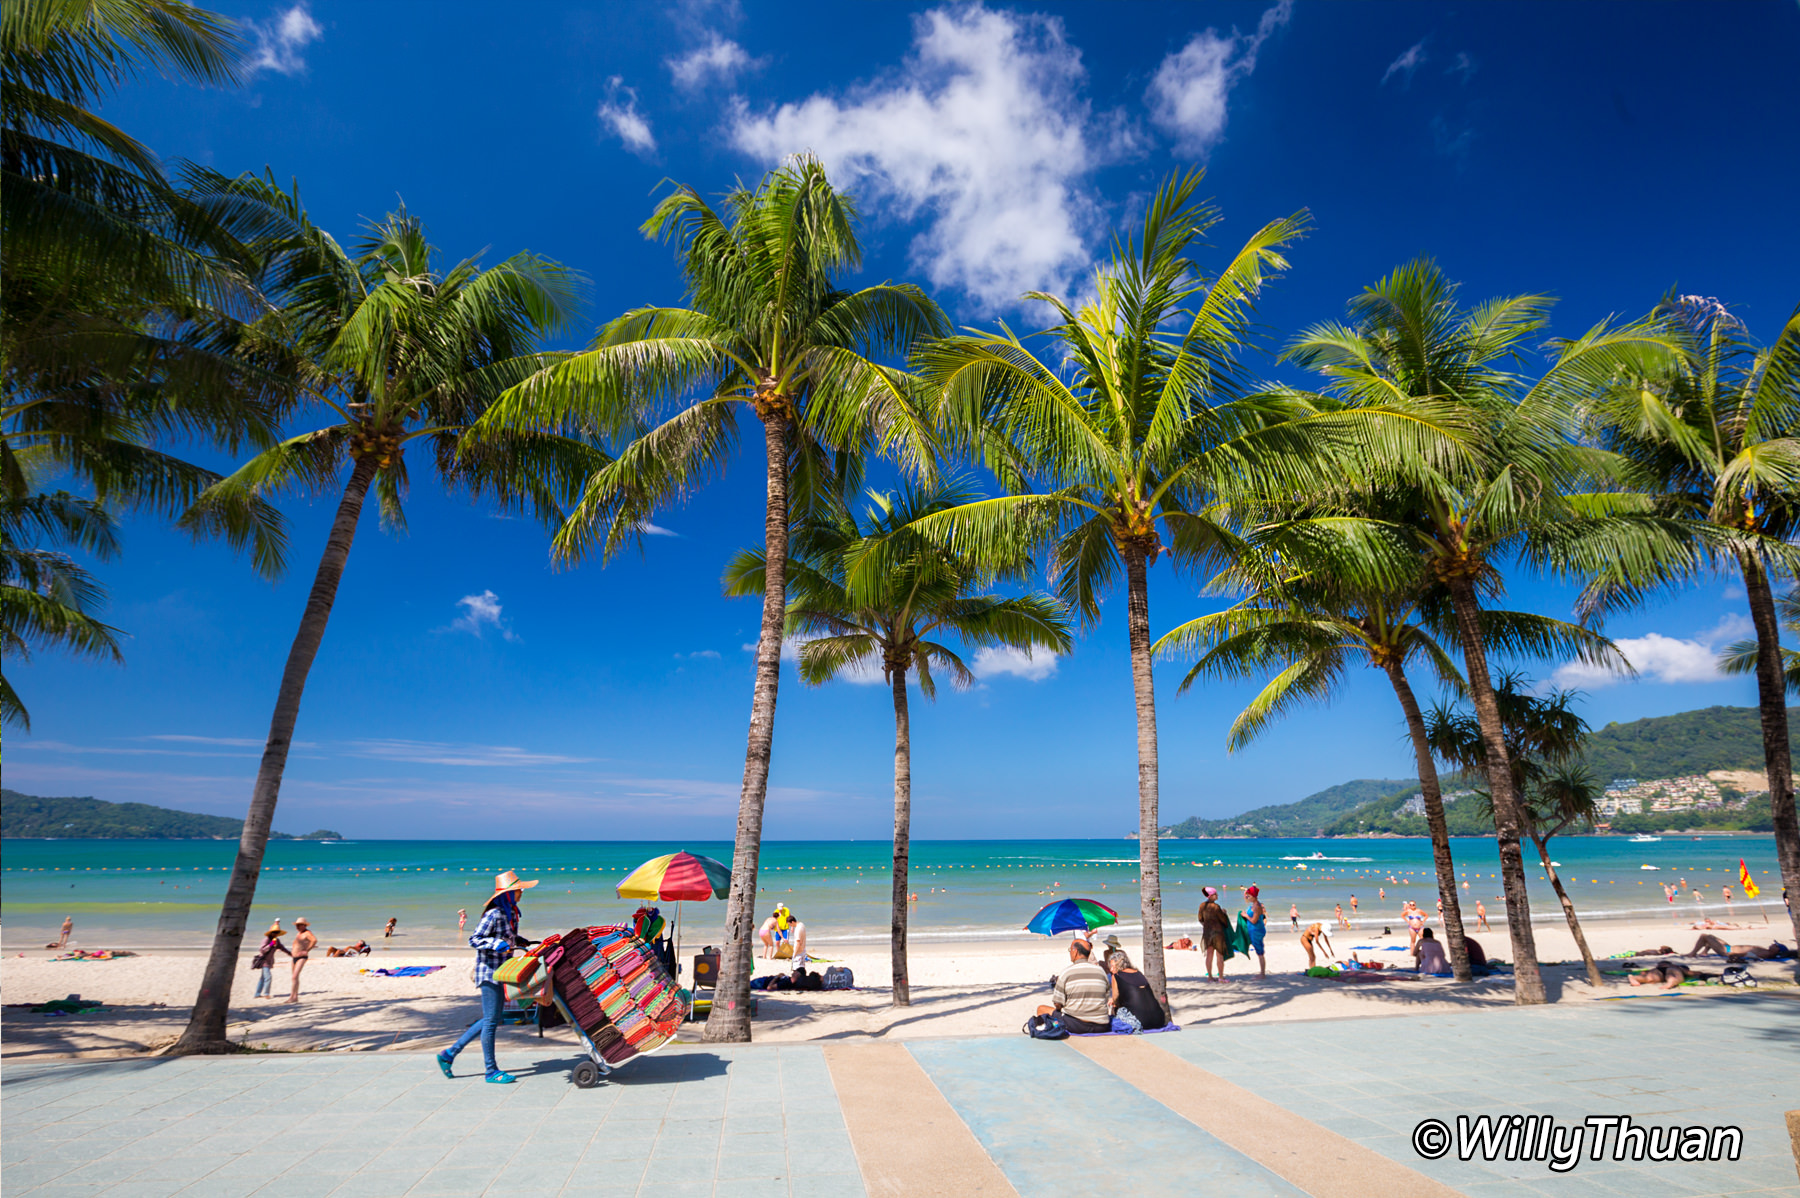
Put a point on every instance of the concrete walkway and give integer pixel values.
(1323, 1108)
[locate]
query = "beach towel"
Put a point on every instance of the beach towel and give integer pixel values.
(404, 971)
(98, 954)
(1149, 1031)
(59, 1006)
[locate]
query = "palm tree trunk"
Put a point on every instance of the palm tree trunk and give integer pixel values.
(902, 834)
(1455, 943)
(1562, 896)
(205, 1031)
(1771, 696)
(1528, 983)
(1149, 847)
(730, 1017)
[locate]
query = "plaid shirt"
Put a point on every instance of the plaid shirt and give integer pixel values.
(493, 939)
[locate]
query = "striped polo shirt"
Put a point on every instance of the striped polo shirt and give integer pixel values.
(1083, 990)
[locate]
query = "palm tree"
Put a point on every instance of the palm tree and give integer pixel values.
(398, 350)
(1713, 433)
(1309, 635)
(46, 597)
(770, 330)
(1741, 657)
(1544, 738)
(120, 298)
(1517, 486)
(1127, 427)
(898, 619)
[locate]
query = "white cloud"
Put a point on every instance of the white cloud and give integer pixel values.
(656, 530)
(982, 133)
(1188, 94)
(279, 41)
(422, 752)
(1463, 64)
(995, 660)
(1406, 64)
(720, 58)
(618, 113)
(709, 654)
(1660, 658)
(479, 612)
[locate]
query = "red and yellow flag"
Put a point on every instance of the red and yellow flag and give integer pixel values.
(1750, 890)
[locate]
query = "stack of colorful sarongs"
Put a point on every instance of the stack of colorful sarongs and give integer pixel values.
(616, 989)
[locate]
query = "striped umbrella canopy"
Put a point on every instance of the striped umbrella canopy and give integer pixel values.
(677, 877)
(1070, 914)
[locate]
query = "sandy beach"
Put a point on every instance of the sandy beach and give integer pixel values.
(967, 988)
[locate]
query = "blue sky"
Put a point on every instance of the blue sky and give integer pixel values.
(1600, 153)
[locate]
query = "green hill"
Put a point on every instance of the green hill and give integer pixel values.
(25, 816)
(1691, 742)
(1463, 815)
(1304, 818)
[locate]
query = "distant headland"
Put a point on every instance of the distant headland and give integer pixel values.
(31, 817)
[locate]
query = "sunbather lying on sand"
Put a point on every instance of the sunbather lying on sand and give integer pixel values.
(1667, 975)
(1776, 951)
(1185, 942)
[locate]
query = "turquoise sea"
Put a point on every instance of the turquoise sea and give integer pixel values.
(151, 894)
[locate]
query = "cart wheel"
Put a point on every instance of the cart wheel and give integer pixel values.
(586, 1075)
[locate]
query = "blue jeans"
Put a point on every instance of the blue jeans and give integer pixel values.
(265, 982)
(492, 999)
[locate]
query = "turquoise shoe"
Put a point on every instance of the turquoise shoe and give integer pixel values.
(502, 1078)
(444, 1065)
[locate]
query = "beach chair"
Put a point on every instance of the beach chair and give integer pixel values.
(706, 971)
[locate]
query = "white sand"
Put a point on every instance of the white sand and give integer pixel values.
(958, 989)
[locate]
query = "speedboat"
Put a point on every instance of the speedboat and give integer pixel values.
(1648, 867)
(1643, 838)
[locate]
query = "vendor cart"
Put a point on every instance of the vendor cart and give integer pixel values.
(613, 989)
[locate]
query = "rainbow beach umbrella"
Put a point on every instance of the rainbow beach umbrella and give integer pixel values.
(1071, 914)
(677, 877)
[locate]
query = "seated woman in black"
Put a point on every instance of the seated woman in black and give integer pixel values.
(1131, 992)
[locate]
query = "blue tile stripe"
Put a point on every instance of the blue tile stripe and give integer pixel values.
(1058, 1124)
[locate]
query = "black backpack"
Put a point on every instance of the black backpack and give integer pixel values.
(1046, 1027)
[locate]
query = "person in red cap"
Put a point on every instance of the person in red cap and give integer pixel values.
(494, 940)
(1256, 919)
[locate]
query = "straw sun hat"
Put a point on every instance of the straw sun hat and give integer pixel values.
(509, 881)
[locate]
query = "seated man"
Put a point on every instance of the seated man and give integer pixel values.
(1667, 975)
(1082, 993)
(1430, 954)
(782, 935)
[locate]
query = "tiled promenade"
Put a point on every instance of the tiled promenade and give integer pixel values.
(1274, 1109)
